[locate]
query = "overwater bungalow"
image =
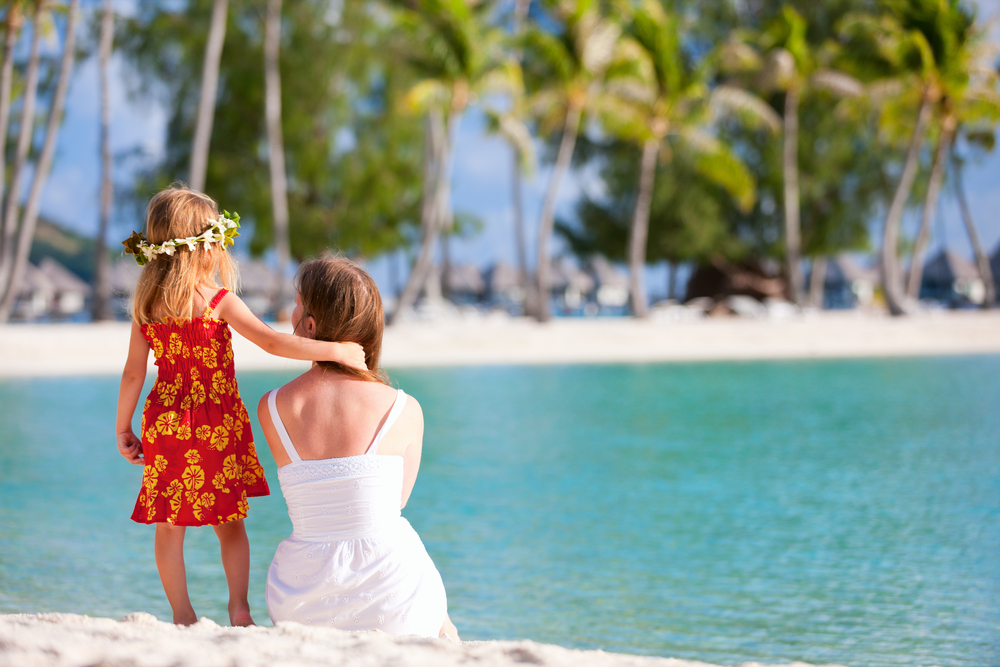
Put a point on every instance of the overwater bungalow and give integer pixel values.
(570, 287)
(847, 284)
(506, 287)
(69, 291)
(952, 280)
(35, 296)
(612, 285)
(464, 284)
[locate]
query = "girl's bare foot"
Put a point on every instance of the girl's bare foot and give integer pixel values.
(239, 617)
(186, 618)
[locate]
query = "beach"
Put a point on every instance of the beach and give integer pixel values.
(98, 349)
(139, 640)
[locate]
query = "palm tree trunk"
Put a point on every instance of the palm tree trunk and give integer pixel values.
(930, 206)
(13, 30)
(640, 229)
(433, 290)
(570, 128)
(434, 150)
(817, 281)
(101, 309)
(892, 280)
(10, 211)
(209, 91)
(982, 260)
(26, 233)
(671, 280)
(276, 150)
(520, 240)
(790, 171)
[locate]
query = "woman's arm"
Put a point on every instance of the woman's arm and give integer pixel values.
(270, 433)
(232, 309)
(133, 376)
(411, 457)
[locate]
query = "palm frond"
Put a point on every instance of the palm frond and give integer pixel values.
(750, 108)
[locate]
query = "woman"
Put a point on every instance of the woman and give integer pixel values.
(348, 448)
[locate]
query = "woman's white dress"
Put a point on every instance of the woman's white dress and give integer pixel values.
(352, 561)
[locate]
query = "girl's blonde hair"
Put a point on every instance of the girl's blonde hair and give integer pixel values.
(168, 283)
(347, 307)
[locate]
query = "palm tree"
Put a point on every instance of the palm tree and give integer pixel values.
(968, 96)
(570, 63)
(209, 91)
(657, 98)
(101, 309)
(915, 41)
(10, 209)
(12, 30)
(784, 61)
(26, 230)
(276, 148)
(457, 63)
(509, 124)
(982, 259)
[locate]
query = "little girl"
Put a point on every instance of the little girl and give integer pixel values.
(196, 445)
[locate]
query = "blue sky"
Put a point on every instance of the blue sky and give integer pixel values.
(481, 183)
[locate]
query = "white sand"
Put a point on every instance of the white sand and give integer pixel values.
(139, 640)
(81, 349)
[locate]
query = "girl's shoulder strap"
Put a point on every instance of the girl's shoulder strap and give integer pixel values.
(215, 301)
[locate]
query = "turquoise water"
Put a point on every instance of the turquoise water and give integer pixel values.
(825, 511)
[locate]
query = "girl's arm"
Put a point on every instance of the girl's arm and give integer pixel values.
(411, 457)
(133, 376)
(232, 309)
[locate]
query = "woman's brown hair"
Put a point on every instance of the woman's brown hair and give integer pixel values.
(168, 283)
(347, 307)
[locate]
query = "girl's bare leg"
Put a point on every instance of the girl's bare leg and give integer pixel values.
(169, 545)
(235, 548)
(448, 630)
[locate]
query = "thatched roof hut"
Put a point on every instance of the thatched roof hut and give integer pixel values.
(35, 296)
(70, 292)
(947, 276)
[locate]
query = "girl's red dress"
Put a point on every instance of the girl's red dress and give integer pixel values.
(201, 464)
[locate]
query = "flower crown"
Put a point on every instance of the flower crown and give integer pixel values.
(223, 231)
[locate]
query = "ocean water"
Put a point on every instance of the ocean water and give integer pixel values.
(840, 511)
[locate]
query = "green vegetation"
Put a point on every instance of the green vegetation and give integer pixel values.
(737, 130)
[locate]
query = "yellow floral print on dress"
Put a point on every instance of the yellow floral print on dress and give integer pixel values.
(220, 438)
(193, 477)
(168, 422)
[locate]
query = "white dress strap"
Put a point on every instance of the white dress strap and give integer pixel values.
(397, 407)
(279, 426)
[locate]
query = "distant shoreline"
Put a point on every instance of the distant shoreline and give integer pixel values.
(33, 350)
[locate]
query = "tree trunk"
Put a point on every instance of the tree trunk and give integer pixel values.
(930, 206)
(892, 280)
(276, 151)
(13, 30)
(982, 260)
(640, 229)
(209, 92)
(434, 150)
(570, 128)
(27, 228)
(520, 241)
(101, 309)
(11, 208)
(672, 280)
(790, 172)
(817, 282)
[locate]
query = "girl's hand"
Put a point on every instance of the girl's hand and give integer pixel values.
(351, 354)
(130, 447)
